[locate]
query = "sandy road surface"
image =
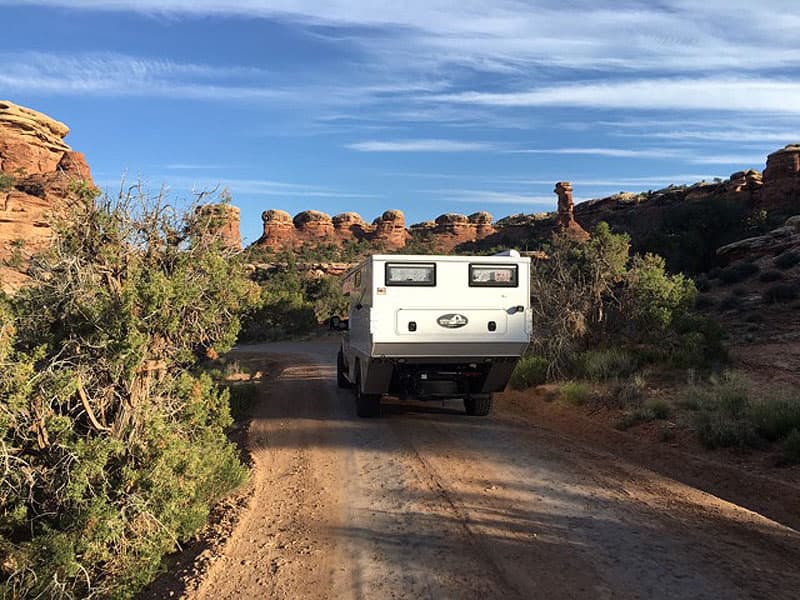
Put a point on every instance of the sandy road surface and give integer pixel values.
(426, 502)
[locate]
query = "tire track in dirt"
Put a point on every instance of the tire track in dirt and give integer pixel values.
(428, 503)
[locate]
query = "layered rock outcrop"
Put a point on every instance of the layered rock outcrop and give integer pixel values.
(350, 226)
(390, 230)
(282, 232)
(222, 220)
(781, 189)
(39, 175)
(786, 237)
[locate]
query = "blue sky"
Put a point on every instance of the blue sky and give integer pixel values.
(429, 106)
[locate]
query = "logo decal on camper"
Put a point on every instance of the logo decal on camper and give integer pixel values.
(452, 321)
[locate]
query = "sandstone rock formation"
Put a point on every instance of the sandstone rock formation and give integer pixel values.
(222, 220)
(314, 225)
(781, 189)
(39, 176)
(390, 230)
(311, 226)
(565, 220)
(350, 225)
(772, 243)
(482, 221)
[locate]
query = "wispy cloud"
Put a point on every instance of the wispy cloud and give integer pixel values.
(495, 35)
(198, 166)
(490, 197)
(423, 145)
(691, 155)
(612, 152)
(250, 187)
(709, 93)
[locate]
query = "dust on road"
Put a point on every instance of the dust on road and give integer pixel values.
(426, 502)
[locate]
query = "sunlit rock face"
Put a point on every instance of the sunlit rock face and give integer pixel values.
(222, 220)
(41, 176)
(565, 220)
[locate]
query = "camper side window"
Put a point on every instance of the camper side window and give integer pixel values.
(416, 274)
(493, 276)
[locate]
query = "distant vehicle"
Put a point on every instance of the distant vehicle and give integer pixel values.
(434, 327)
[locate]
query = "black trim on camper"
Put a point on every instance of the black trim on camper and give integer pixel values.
(514, 282)
(389, 265)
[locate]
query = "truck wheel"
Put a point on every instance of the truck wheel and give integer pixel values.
(367, 405)
(341, 379)
(478, 405)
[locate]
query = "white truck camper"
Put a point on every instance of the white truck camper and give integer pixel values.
(434, 327)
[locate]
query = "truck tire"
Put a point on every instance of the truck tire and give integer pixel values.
(478, 405)
(341, 378)
(367, 405)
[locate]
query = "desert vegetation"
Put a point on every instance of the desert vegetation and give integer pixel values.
(617, 331)
(113, 442)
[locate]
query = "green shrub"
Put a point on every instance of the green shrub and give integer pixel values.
(787, 259)
(659, 408)
(770, 276)
(576, 392)
(776, 412)
(782, 292)
(737, 272)
(629, 419)
(721, 419)
(702, 283)
(655, 299)
(627, 393)
(243, 397)
(118, 447)
(6, 182)
(530, 371)
(733, 412)
(598, 365)
(791, 447)
(699, 343)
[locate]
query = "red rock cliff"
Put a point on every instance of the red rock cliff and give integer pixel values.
(39, 174)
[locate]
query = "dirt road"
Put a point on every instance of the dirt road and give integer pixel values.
(426, 502)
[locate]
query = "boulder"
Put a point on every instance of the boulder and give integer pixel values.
(774, 242)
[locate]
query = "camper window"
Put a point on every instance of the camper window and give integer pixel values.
(493, 276)
(417, 274)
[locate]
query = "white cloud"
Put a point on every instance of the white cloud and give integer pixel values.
(253, 187)
(490, 197)
(708, 93)
(611, 152)
(505, 36)
(424, 145)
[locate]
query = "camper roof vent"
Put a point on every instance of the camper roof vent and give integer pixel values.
(512, 253)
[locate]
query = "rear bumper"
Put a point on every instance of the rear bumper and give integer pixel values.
(448, 351)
